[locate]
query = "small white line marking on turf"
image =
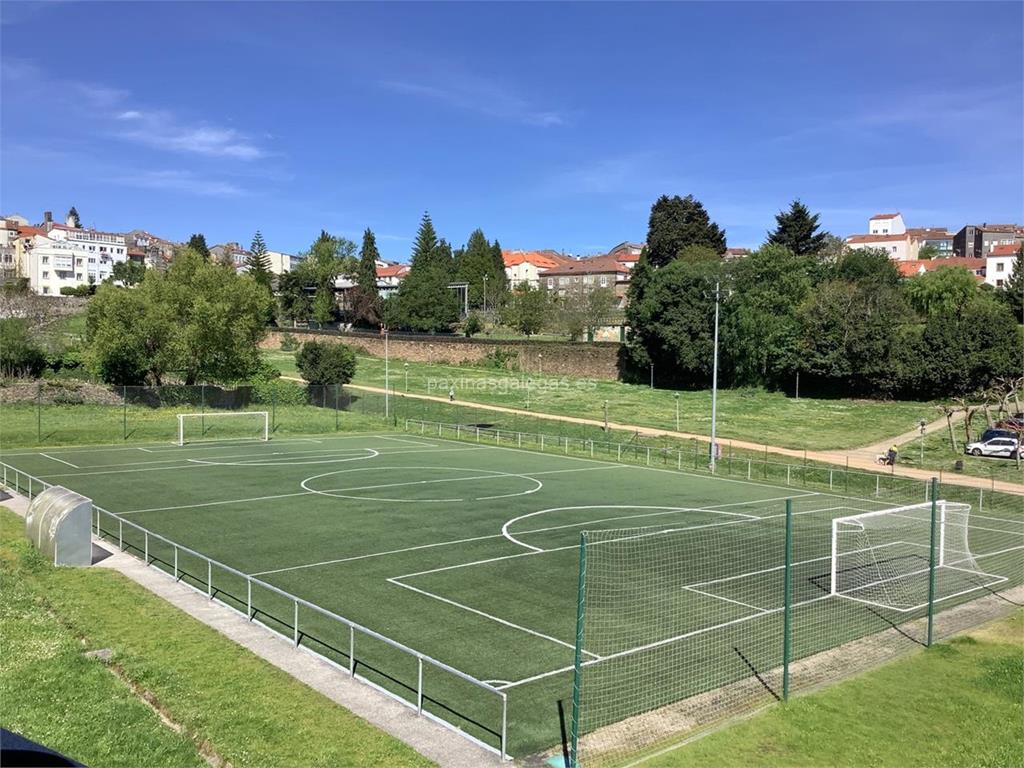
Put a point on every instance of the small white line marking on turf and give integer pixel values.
(506, 623)
(410, 442)
(214, 503)
(726, 599)
(54, 458)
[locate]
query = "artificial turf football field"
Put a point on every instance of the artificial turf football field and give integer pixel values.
(465, 552)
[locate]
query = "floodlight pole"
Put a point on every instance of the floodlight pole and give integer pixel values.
(714, 384)
(387, 372)
(677, 411)
(406, 378)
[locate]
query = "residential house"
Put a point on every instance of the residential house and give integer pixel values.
(583, 275)
(978, 240)
(914, 267)
(79, 258)
(389, 276)
(148, 249)
(229, 253)
(938, 238)
(896, 245)
(886, 224)
(733, 254)
(527, 266)
(282, 262)
(1000, 262)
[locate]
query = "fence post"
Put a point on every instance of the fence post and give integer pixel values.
(648, 456)
(145, 547)
(748, 468)
(787, 600)
(788, 467)
(124, 410)
(175, 562)
(419, 686)
(931, 561)
(120, 533)
(981, 499)
(273, 409)
(248, 598)
(351, 650)
(295, 626)
(335, 407)
(39, 413)
(504, 725)
(209, 578)
(581, 594)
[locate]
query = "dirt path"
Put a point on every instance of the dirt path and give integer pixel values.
(883, 445)
(860, 458)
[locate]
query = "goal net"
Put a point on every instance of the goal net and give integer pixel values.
(884, 558)
(223, 425)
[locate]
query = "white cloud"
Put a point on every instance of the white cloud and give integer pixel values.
(180, 181)
(161, 130)
(480, 95)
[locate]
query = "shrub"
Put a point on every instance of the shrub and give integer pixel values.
(472, 325)
(289, 343)
(20, 355)
(501, 358)
(278, 392)
(325, 363)
(77, 290)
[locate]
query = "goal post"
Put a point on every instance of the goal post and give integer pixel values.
(884, 558)
(247, 425)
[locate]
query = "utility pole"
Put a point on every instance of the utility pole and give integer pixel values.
(677, 411)
(714, 385)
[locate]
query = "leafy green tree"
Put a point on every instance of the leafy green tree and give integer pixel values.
(797, 230)
(527, 310)
(129, 273)
(928, 252)
(73, 217)
(870, 266)
(326, 260)
(946, 289)
(761, 329)
(582, 312)
(323, 363)
(366, 306)
(424, 301)
(473, 325)
(677, 222)
(258, 263)
(1012, 291)
(198, 319)
(198, 244)
(497, 290)
(832, 248)
(20, 355)
(294, 300)
(476, 265)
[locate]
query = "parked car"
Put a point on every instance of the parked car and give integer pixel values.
(991, 432)
(1002, 447)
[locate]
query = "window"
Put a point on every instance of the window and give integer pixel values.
(563, 281)
(551, 282)
(999, 283)
(45, 275)
(1000, 266)
(45, 290)
(894, 249)
(588, 278)
(46, 259)
(576, 278)
(78, 276)
(92, 260)
(604, 281)
(78, 262)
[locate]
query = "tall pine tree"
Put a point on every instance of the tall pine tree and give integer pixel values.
(198, 244)
(797, 230)
(476, 265)
(73, 217)
(424, 301)
(258, 263)
(366, 305)
(676, 223)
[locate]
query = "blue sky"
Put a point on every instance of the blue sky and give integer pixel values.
(548, 125)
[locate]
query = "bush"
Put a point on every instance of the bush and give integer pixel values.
(501, 358)
(20, 355)
(77, 290)
(472, 325)
(289, 343)
(324, 363)
(278, 392)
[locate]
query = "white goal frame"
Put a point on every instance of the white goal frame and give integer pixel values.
(964, 561)
(219, 414)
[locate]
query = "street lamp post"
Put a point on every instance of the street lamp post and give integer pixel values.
(485, 294)
(714, 386)
(921, 427)
(528, 383)
(677, 411)
(540, 363)
(407, 378)
(387, 371)
(652, 375)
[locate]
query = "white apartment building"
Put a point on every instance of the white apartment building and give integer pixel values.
(75, 258)
(887, 232)
(282, 262)
(999, 264)
(887, 224)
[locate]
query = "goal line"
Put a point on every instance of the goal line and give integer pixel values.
(262, 417)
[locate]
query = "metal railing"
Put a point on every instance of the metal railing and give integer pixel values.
(135, 539)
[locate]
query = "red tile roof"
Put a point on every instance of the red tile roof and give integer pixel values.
(393, 270)
(1007, 249)
(594, 265)
(884, 216)
(918, 233)
(542, 259)
(916, 267)
(27, 231)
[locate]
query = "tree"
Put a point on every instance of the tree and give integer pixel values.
(258, 263)
(129, 273)
(676, 222)
(868, 265)
(294, 300)
(20, 355)
(497, 290)
(527, 310)
(198, 244)
(198, 319)
(927, 252)
(946, 289)
(424, 301)
(73, 217)
(327, 259)
(583, 312)
(322, 363)
(477, 266)
(1012, 291)
(797, 230)
(473, 325)
(366, 306)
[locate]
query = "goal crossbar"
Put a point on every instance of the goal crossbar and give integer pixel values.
(264, 416)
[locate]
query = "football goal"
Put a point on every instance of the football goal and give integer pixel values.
(223, 425)
(884, 558)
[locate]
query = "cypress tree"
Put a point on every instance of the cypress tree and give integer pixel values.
(797, 230)
(366, 306)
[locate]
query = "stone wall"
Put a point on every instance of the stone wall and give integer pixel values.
(595, 361)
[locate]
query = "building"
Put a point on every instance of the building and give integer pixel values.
(83, 258)
(527, 266)
(886, 224)
(914, 267)
(896, 245)
(733, 254)
(148, 249)
(229, 253)
(999, 264)
(938, 238)
(389, 276)
(582, 275)
(282, 262)
(978, 240)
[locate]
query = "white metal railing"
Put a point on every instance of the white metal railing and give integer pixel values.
(30, 486)
(836, 478)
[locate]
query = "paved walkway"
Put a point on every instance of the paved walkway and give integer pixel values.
(859, 458)
(434, 741)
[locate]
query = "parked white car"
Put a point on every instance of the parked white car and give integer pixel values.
(1003, 447)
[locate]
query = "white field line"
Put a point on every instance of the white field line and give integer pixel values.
(298, 454)
(726, 599)
(54, 458)
(497, 619)
(409, 442)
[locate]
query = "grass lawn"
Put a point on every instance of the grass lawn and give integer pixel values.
(744, 414)
(244, 709)
(938, 454)
(955, 704)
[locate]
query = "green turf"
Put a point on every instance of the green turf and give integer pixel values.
(238, 706)
(755, 415)
(417, 515)
(957, 704)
